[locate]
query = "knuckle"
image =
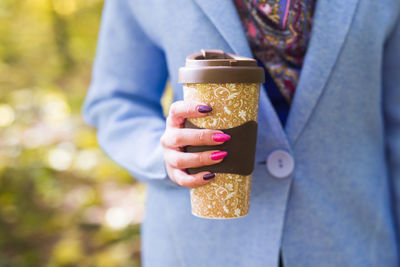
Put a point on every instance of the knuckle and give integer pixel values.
(166, 138)
(189, 108)
(172, 138)
(169, 119)
(178, 139)
(173, 108)
(197, 180)
(183, 182)
(175, 139)
(199, 158)
(171, 161)
(180, 162)
(175, 177)
(195, 157)
(202, 136)
(179, 181)
(189, 181)
(177, 162)
(162, 140)
(204, 158)
(167, 158)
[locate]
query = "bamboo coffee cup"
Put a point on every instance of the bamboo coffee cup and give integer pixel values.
(230, 84)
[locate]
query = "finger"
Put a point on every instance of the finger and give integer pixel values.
(180, 110)
(183, 160)
(175, 138)
(183, 179)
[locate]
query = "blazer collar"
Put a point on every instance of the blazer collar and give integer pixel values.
(331, 23)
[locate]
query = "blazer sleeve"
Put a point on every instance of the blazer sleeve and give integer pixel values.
(391, 109)
(123, 101)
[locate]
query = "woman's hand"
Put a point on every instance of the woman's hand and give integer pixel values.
(176, 137)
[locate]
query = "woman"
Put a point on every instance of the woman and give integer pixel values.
(338, 126)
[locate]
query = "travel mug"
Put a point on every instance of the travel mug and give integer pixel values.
(230, 84)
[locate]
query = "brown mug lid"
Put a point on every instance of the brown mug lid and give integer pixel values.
(216, 66)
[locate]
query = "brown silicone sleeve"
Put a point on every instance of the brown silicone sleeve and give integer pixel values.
(241, 150)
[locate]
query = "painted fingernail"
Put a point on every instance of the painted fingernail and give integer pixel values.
(208, 176)
(204, 109)
(221, 137)
(218, 155)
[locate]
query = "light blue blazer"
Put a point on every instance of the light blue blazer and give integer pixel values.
(340, 205)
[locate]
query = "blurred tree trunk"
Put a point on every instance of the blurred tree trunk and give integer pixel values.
(61, 36)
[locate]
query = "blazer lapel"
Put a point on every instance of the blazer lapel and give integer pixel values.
(332, 21)
(224, 16)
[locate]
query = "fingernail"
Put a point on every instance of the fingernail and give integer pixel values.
(218, 155)
(221, 137)
(204, 109)
(208, 176)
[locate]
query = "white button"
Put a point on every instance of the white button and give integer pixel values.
(280, 164)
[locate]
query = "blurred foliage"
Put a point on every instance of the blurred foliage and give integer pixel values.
(62, 201)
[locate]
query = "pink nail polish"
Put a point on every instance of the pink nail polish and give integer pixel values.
(221, 137)
(218, 155)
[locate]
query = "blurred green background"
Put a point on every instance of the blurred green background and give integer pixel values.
(62, 201)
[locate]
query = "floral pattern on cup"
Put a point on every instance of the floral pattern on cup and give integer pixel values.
(233, 104)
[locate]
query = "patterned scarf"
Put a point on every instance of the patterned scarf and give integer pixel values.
(278, 32)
